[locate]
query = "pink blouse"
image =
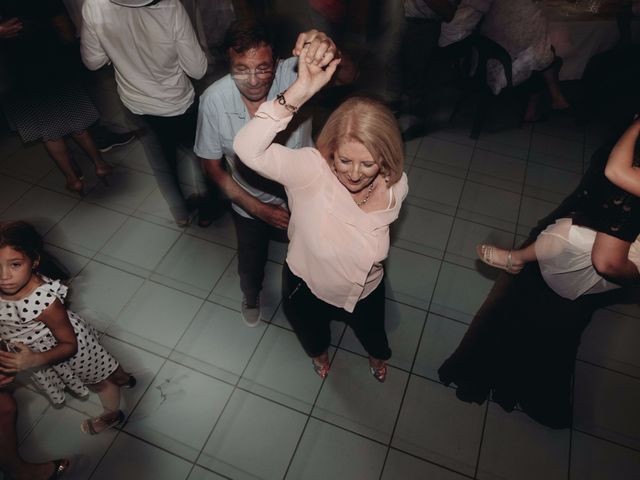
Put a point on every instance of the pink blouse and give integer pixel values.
(335, 247)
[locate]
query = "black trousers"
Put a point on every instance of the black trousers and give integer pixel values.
(310, 318)
(253, 247)
(161, 145)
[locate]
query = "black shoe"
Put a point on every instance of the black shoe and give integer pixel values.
(109, 139)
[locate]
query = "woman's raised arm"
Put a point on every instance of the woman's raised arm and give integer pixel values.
(620, 169)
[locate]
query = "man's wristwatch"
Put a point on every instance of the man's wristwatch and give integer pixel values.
(283, 101)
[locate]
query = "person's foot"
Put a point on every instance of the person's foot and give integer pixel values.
(75, 185)
(108, 139)
(378, 368)
(46, 471)
(500, 258)
(97, 425)
(251, 311)
(321, 365)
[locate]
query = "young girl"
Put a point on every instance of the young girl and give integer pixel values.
(597, 248)
(55, 344)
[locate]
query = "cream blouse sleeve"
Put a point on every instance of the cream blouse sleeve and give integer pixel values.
(294, 168)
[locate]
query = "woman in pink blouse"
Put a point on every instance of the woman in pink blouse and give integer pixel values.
(343, 196)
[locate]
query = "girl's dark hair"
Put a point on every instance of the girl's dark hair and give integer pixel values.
(244, 35)
(24, 238)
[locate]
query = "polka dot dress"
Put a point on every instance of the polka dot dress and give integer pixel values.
(91, 363)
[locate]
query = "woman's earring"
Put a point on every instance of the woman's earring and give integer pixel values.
(386, 178)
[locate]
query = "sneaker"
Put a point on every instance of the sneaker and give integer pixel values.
(110, 139)
(251, 312)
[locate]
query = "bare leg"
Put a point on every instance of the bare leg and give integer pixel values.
(10, 460)
(610, 257)
(109, 394)
(59, 151)
(558, 101)
(87, 144)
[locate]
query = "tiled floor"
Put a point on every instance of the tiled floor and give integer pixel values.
(216, 399)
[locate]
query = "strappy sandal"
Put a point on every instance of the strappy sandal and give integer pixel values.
(59, 467)
(321, 369)
(87, 426)
(487, 254)
(379, 373)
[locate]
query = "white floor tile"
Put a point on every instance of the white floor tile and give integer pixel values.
(193, 265)
(255, 438)
(58, 435)
(433, 150)
(605, 405)
(29, 163)
(351, 398)
(12, 190)
(489, 206)
(281, 370)
(595, 459)
(410, 277)
(126, 191)
(459, 292)
(99, 293)
(74, 234)
(199, 473)
(155, 318)
(179, 410)
(516, 447)
(222, 231)
(440, 338)
(31, 407)
(497, 170)
(326, 452)
(129, 457)
(532, 210)
(548, 183)
(434, 425)
(563, 126)
(434, 191)
(218, 343)
(69, 261)
(403, 325)
(610, 341)
(138, 246)
(399, 465)
(42, 208)
(422, 231)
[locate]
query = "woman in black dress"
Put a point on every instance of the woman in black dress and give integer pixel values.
(45, 100)
(521, 346)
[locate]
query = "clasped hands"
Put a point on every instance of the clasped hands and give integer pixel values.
(318, 58)
(22, 358)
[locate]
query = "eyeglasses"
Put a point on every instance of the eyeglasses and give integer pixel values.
(259, 74)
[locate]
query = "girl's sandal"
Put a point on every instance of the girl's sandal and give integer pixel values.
(88, 426)
(487, 254)
(59, 467)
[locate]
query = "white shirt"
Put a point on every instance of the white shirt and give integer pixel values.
(154, 51)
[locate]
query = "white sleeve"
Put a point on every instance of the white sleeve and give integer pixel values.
(93, 55)
(190, 55)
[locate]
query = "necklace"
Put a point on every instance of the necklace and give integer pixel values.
(366, 197)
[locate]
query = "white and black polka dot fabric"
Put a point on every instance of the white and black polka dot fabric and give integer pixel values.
(91, 363)
(50, 114)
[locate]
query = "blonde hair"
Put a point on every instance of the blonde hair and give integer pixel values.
(369, 122)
